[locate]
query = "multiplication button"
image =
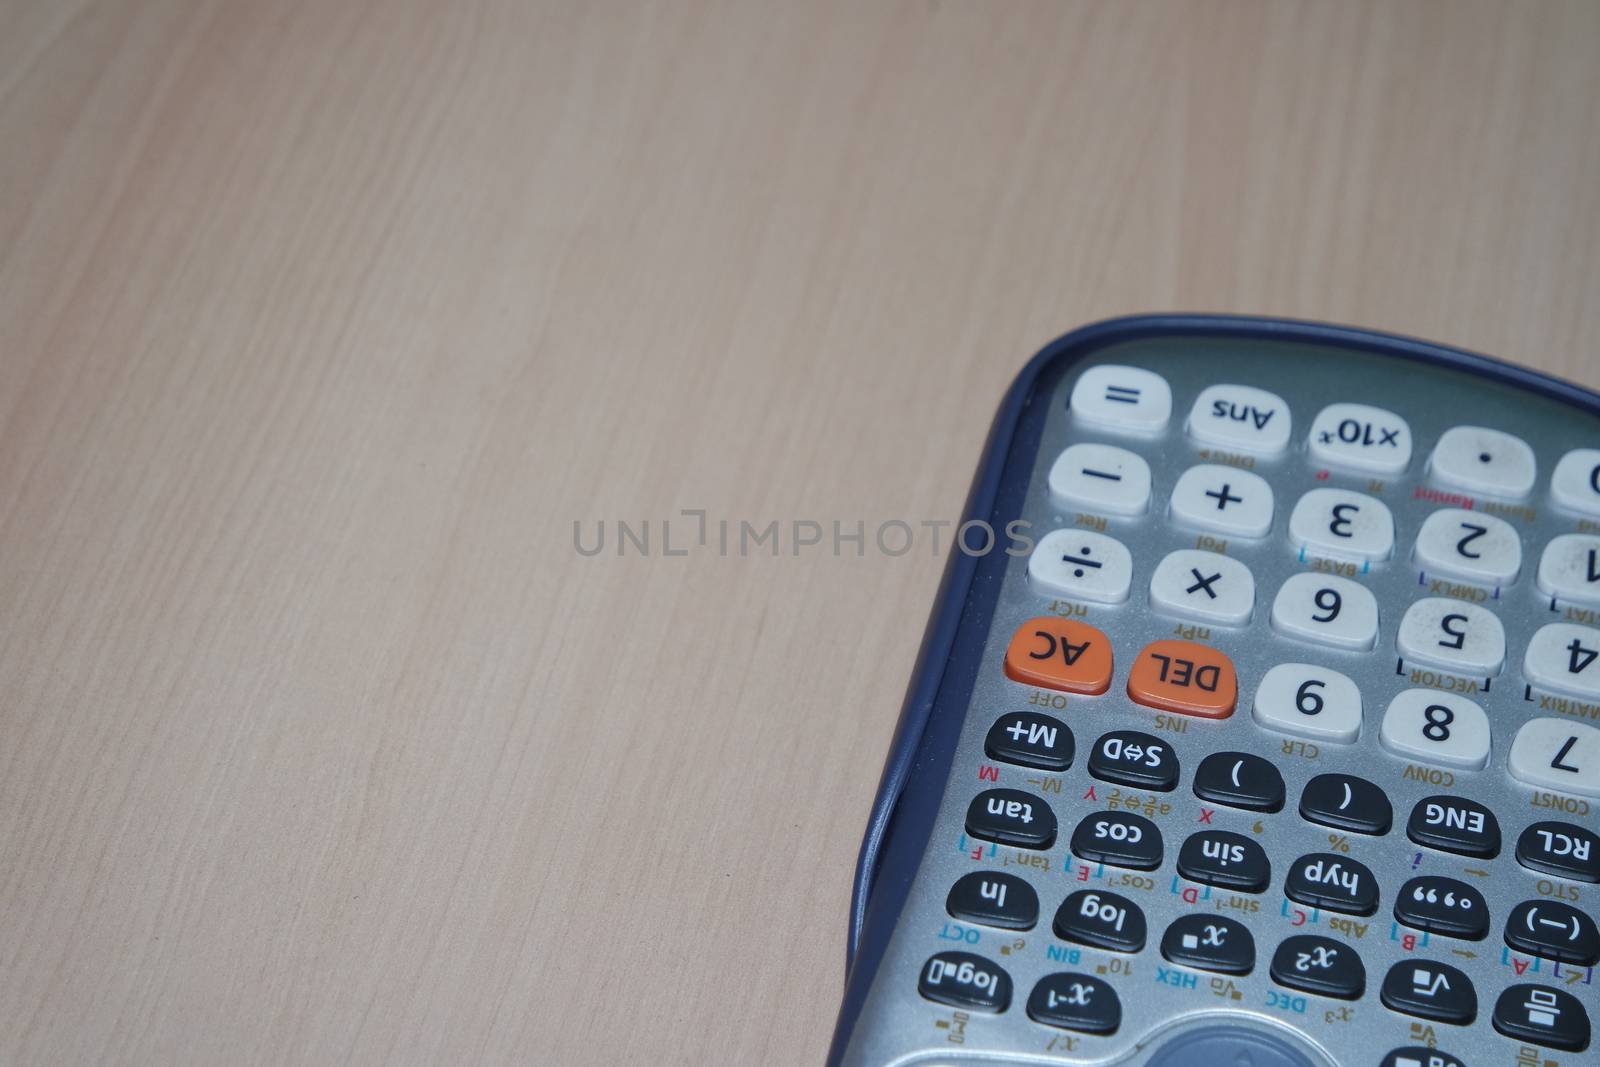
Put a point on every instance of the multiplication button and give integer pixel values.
(1320, 965)
(1078, 1002)
(1222, 499)
(1203, 585)
(1362, 438)
(963, 980)
(1210, 943)
(1102, 479)
(1080, 565)
(1543, 1015)
(1484, 460)
(1242, 417)
(1130, 399)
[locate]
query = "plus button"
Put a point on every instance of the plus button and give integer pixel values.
(1223, 497)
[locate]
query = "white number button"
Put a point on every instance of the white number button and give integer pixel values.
(1081, 565)
(1204, 585)
(1220, 498)
(1327, 610)
(1558, 754)
(1569, 568)
(1122, 398)
(1576, 481)
(1566, 658)
(1479, 547)
(1438, 728)
(1341, 523)
(1240, 416)
(1101, 478)
(1488, 461)
(1362, 437)
(1308, 701)
(1454, 635)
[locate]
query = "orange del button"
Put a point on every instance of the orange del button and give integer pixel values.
(1184, 677)
(1057, 653)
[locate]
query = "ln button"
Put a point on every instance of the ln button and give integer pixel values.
(1185, 677)
(994, 898)
(1056, 653)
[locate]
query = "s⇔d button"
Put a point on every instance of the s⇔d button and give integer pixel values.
(1184, 677)
(1056, 653)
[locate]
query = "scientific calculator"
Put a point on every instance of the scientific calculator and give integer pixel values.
(1257, 723)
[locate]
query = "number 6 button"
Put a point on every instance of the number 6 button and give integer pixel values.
(1308, 701)
(1337, 522)
(1459, 637)
(1327, 610)
(1438, 728)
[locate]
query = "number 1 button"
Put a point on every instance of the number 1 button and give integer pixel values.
(1056, 653)
(1185, 677)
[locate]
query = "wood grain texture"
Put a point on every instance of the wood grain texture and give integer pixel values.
(321, 322)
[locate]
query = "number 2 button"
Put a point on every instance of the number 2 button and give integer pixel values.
(1477, 547)
(1337, 522)
(1327, 610)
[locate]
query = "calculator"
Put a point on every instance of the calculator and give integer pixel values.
(1255, 724)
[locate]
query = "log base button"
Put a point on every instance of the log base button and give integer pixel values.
(963, 980)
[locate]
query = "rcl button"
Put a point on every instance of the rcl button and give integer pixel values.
(1185, 677)
(1011, 817)
(1454, 824)
(1561, 849)
(963, 980)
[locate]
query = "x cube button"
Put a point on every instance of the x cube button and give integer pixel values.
(1319, 965)
(1430, 990)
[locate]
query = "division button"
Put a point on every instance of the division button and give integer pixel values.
(1557, 754)
(1459, 637)
(1130, 399)
(1418, 1056)
(1443, 905)
(1239, 780)
(1484, 460)
(994, 898)
(1309, 701)
(1226, 859)
(1101, 479)
(1055, 653)
(1569, 568)
(1132, 757)
(1555, 931)
(1203, 585)
(1334, 882)
(1454, 824)
(1575, 484)
(1118, 838)
(1011, 817)
(1565, 657)
(1101, 920)
(1437, 728)
(1075, 1002)
(1210, 943)
(1471, 545)
(1242, 417)
(1030, 739)
(1337, 522)
(1185, 677)
(963, 980)
(1225, 500)
(1321, 965)
(1561, 849)
(1326, 610)
(1348, 803)
(1361, 438)
(1543, 1015)
(1429, 990)
(1080, 565)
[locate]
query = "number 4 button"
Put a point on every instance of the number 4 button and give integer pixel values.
(1565, 658)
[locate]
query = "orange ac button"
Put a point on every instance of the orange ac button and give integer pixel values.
(1057, 653)
(1184, 677)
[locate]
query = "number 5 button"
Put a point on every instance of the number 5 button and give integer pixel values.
(1327, 610)
(1566, 658)
(1337, 522)
(1438, 728)
(1456, 636)
(1308, 701)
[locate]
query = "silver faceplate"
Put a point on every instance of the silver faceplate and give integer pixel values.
(898, 1027)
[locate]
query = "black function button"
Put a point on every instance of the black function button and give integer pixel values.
(1555, 931)
(1075, 1002)
(1129, 757)
(1417, 1056)
(994, 899)
(1239, 780)
(1030, 739)
(1430, 990)
(1443, 905)
(1210, 943)
(1454, 824)
(1119, 838)
(1331, 881)
(963, 980)
(1101, 920)
(1561, 849)
(1545, 1016)
(1348, 803)
(1011, 817)
(1226, 859)
(1319, 965)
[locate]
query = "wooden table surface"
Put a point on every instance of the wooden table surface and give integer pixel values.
(321, 323)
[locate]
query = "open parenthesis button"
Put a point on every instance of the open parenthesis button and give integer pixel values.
(1185, 677)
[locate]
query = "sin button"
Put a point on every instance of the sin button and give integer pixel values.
(1184, 677)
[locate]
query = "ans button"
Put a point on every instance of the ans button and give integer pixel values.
(1226, 859)
(1239, 780)
(1321, 965)
(1129, 399)
(1075, 1002)
(1443, 905)
(963, 980)
(1055, 653)
(1101, 920)
(994, 898)
(1429, 990)
(1561, 849)
(1132, 757)
(1184, 677)
(1210, 943)
(1242, 417)
(1118, 838)
(1011, 817)
(1346, 802)
(1455, 824)
(1030, 739)
(1334, 882)
(1543, 1015)
(1555, 931)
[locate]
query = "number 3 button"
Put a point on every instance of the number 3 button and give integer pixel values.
(1327, 610)
(1340, 523)
(1439, 728)
(1307, 701)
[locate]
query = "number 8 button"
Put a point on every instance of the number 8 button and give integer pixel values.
(1438, 728)
(1327, 610)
